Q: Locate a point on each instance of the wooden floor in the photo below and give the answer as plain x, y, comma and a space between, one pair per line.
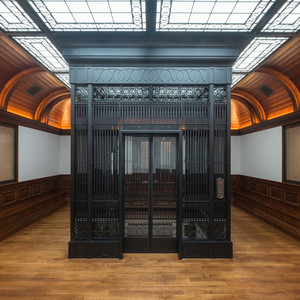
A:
34, 265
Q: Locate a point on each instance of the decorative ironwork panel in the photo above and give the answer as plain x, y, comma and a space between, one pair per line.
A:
115, 104
195, 164
81, 164
105, 222
195, 221
81, 104
220, 230
81, 228
220, 104
105, 164
150, 75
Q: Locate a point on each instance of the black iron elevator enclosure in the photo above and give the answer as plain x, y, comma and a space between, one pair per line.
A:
150, 161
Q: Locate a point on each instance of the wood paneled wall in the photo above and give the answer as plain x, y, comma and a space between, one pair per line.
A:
24, 203
65, 185
275, 202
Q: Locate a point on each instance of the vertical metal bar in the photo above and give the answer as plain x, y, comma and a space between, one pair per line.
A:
211, 158
90, 158
121, 192
150, 189
179, 183
228, 162
73, 160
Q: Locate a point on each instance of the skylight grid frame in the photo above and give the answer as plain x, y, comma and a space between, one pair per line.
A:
14, 18
217, 15
44, 51
256, 52
287, 19
92, 15
236, 78
64, 77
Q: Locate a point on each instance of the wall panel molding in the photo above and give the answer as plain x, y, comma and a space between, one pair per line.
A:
26, 202
274, 202
12, 119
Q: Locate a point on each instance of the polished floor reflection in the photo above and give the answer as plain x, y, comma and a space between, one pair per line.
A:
34, 265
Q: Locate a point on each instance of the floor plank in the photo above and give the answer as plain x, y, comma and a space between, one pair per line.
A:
34, 265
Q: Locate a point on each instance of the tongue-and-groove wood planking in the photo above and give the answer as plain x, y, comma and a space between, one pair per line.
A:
266, 265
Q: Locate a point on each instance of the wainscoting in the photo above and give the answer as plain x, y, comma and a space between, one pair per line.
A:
275, 202
26, 202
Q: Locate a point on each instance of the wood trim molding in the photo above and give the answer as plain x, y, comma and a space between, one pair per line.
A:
275, 202
25, 202
288, 119
13, 119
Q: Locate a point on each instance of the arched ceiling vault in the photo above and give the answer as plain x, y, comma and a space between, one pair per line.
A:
251, 110
39, 113
12, 84
260, 114
46, 115
290, 86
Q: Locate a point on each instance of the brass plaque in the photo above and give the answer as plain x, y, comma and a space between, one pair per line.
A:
220, 188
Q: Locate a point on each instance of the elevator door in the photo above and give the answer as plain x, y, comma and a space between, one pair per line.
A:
150, 198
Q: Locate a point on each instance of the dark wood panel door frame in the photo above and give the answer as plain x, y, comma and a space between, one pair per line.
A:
162, 244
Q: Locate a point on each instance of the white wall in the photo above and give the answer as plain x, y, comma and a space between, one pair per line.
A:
235, 155
42, 154
261, 154
65, 155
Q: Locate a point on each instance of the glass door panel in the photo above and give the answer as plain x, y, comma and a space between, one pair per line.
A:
164, 187
136, 190
150, 198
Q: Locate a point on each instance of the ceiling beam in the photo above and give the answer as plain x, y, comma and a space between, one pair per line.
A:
151, 15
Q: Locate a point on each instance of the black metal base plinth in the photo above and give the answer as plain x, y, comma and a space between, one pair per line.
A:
94, 249
206, 249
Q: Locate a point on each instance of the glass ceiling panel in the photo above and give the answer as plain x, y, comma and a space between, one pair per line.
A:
210, 15
14, 18
92, 15
64, 77
257, 51
287, 19
44, 51
236, 78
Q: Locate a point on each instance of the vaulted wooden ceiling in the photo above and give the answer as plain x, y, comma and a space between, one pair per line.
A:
270, 91
28, 90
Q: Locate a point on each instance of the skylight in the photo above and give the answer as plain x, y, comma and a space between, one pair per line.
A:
91, 15
64, 77
257, 51
44, 51
287, 19
14, 18
210, 15
236, 78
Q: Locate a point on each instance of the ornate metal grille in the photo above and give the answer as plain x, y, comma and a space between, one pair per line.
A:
99, 214
155, 103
